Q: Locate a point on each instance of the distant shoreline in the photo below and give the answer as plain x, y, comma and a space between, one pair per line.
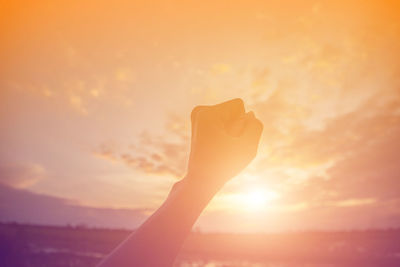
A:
58, 245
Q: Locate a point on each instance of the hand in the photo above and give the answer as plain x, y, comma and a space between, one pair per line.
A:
224, 141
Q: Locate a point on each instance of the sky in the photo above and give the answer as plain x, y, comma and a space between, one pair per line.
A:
95, 102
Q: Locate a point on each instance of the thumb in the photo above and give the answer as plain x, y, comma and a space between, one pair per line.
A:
253, 129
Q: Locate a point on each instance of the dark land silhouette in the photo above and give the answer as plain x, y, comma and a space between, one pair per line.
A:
33, 245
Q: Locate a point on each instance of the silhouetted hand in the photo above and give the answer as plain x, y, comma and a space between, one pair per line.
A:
224, 141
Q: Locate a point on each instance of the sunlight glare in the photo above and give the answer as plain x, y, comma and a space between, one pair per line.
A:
257, 199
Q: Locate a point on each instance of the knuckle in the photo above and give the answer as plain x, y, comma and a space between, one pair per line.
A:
239, 104
195, 111
238, 101
236, 104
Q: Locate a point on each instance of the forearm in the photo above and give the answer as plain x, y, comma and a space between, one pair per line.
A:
158, 240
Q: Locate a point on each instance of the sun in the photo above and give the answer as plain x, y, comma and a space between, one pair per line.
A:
256, 199
251, 199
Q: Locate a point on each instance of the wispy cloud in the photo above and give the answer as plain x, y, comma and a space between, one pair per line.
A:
154, 154
21, 175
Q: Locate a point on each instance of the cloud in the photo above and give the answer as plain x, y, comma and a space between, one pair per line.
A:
333, 168
369, 164
221, 68
355, 202
361, 186
154, 154
21, 175
77, 103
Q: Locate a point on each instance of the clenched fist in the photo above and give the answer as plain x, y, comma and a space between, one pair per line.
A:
224, 141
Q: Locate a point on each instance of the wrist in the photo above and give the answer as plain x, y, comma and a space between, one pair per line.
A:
201, 185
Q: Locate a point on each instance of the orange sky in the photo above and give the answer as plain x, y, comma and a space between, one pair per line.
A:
96, 97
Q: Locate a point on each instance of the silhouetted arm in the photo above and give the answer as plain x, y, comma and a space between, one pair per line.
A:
224, 141
158, 241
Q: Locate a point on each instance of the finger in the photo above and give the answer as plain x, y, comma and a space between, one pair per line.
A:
194, 120
253, 129
250, 114
206, 122
231, 109
195, 112
236, 127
